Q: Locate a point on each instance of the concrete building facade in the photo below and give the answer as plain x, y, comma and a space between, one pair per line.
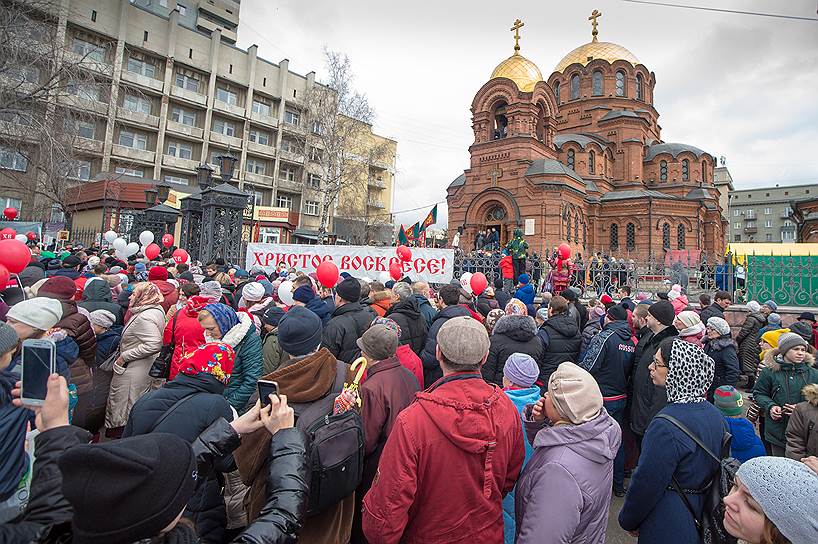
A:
764, 214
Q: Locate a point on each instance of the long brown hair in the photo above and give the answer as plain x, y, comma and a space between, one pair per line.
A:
771, 534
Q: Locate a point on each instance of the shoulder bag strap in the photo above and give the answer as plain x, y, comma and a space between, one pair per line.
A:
169, 411
689, 506
692, 436
173, 329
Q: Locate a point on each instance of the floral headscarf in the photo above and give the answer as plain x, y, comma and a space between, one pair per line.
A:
492, 318
215, 358
145, 294
689, 373
516, 306
388, 323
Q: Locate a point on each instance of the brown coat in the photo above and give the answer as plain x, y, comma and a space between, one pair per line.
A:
302, 381
802, 430
79, 328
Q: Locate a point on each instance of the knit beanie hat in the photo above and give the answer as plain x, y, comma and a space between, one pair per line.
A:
252, 292
93, 260
102, 318
516, 307
773, 319
215, 358
30, 275
39, 312
158, 273
788, 341
211, 289
719, 325
753, 306
58, 287
268, 287
728, 400
569, 294
304, 294
299, 331
8, 338
349, 290
224, 315
521, 369
771, 305
617, 312
663, 312
606, 299
803, 330
272, 315
675, 292
523, 279
595, 313
575, 393
787, 492
771, 337
140, 483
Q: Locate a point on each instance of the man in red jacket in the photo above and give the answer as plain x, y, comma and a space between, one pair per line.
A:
452, 454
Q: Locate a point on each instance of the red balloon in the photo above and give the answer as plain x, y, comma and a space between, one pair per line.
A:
167, 240
5, 275
31, 235
14, 255
10, 213
478, 283
396, 271
180, 255
152, 251
7, 233
564, 251
327, 274
404, 253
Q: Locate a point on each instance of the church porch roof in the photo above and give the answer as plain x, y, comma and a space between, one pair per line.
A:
635, 193
674, 149
551, 167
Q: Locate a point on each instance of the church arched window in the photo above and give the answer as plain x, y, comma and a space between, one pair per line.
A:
640, 93
557, 91
584, 234
576, 228
680, 237
663, 170
666, 236
597, 91
568, 226
574, 86
630, 236
614, 237
571, 159
540, 123
620, 84
704, 171
591, 162
685, 170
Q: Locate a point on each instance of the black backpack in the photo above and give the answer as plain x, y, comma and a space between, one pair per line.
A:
711, 525
335, 447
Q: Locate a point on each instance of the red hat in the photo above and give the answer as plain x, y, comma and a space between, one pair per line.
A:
606, 299
58, 287
158, 273
213, 358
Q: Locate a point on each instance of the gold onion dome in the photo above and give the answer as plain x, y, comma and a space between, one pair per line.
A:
520, 70
596, 50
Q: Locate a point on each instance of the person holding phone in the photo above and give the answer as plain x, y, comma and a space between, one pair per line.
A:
13, 420
37, 318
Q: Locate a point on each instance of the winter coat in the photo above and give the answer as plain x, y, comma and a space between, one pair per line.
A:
779, 384
79, 329
450, 488
565, 490
592, 329
69, 273
66, 352
609, 359
426, 310
512, 334
485, 304
563, 344
94, 419
140, 344
581, 313
714, 310
320, 308
97, 296
652, 506
745, 443
304, 381
502, 297
184, 333
348, 323
248, 365
406, 313
647, 398
388, 389
723, 352
13, 421
802, 430
273, 356
507, 267
747, 341
525, 294
168, 291
431, 367
381, 302
521, 398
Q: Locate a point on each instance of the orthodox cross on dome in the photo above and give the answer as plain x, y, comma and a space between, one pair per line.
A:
518, 24
497, 172
596, 14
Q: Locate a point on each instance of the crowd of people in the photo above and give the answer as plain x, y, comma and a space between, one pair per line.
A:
401, 412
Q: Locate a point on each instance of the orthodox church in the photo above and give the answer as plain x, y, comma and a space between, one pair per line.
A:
579, 158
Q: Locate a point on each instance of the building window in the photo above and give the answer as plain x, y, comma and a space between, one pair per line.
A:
88, 50
7, 202
574, 86
84, 91
259, 136
630, 237
82, 170
666, 236
269, 235
86, 129
317, 128
663, 170
576, 228
227, 96
178, 180
591, 163
141, 66
704, 171
750, 214
768, 224
292, 118
183, 116
261, 108
133, 172
315, 154
737, 225
685, 170
288, 145
182, 150
786, 211
620, 84
255, 166
737, 237
768, 237
597, 83
137, 104
287, 173
568, 227
768, 211
310, 207
571, 159
614, 237
557, 91
133, 139
187, 79
182, 9
680, 237
736, 213
314, 180
226, 128
787, 236
284, 201
639, 90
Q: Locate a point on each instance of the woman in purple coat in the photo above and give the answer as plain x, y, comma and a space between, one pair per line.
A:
565, 489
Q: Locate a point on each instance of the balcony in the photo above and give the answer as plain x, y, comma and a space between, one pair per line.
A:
133, 154
295, 129
750, 229
90, 146
230, 141
143, 81
258, 179
73, 101
100, 67
287, 185
177, 162
373, 182
291, 156
785, 214
378, 204
788, 228
750, 217
230, 109
209, 26
138, 118
193, 132
188, 95
268, 120
261, 149
15, 131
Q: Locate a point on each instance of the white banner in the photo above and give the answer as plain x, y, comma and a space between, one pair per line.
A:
429, 265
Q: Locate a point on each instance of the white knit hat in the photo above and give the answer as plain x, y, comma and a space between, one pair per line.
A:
719, 325
102, 318
252, 292
39, 312
674, 292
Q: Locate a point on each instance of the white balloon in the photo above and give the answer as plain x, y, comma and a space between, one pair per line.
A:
21, 238
110, 236
465, 282
285, 292
121, 255
146, 238
131, 249
120, 244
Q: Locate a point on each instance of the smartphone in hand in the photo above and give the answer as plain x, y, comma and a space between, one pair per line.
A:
39, 362
265, 389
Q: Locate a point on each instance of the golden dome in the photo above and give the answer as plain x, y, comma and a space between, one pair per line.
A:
596, 50
520, 70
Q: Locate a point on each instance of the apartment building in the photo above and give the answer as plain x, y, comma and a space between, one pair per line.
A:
175, 92
764, 214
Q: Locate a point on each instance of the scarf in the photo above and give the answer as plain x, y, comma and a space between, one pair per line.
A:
689, 374
145, 294
224, 315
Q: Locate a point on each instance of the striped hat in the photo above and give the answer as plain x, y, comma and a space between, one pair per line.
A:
728, 400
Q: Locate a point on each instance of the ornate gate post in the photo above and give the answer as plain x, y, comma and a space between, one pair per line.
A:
222, 219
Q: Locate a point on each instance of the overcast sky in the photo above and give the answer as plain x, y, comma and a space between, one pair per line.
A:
741, 86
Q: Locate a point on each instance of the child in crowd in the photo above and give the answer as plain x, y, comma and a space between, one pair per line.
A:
745, 444
802, 430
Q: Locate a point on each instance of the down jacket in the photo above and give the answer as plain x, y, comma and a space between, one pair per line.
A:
747, 341
431, 367
79, 328
406, 313
802, 430
564, 341
512, 334
248, 365
723, 352
97, 296
169, 292
348, 323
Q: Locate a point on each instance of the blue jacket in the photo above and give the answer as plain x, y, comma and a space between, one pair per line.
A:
13, 459
320, 308
651, 506
107, 342
746, 444
609, 358
525, 294
426, 310
521, 398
